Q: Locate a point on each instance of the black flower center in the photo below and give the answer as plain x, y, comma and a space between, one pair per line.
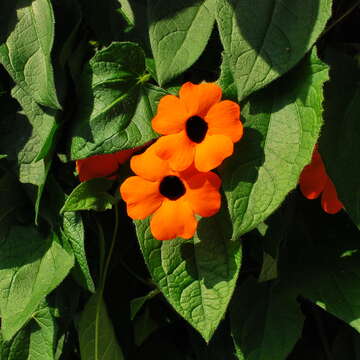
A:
172, 187
196, 129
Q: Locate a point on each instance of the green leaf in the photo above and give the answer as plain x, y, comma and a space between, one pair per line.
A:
137, 303
31, 267
28, 138
196, 276
127, 12
226, 80
29, 141
179, 32
3, 156
321, 258
96, 333
281, 128
73, 230
90, 195
340, 138
17, 348
34, 176
266, 320
115, 109
42, 336
275, 234
26, 53
34, 342
265, 39
144, 326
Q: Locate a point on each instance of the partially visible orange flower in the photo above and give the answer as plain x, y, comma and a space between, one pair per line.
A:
315, 181
104, 165
172, 198
198, 126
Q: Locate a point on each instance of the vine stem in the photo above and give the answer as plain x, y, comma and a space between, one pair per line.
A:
340, 18
113, 241
103, 273
136, 276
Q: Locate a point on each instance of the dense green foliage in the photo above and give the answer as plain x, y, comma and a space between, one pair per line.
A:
271, 276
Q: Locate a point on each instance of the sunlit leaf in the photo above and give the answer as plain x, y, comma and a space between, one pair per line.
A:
25, 51
265, 39
197, 276
31, 267
90, 195
282, 125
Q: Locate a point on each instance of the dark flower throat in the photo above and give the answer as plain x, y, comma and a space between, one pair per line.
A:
172, 187
196, 129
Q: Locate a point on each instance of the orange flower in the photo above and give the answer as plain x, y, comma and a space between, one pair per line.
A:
199, 127
104, 165
315, 181
172, 197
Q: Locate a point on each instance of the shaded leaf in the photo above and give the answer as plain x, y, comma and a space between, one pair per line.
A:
10, 194
104, 19
28, 138
144, 326
137, 303
17, 348
266, 320
96, 333
221, 345
322, 263
276, 233
340, 138
179, 32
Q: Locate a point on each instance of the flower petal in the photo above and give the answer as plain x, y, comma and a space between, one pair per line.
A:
97, 166
142, 197
224, 118
313, 180
177, 149
171, 116
149, 165
202, 193
198, 99
173, 219
329, 199
212, 151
